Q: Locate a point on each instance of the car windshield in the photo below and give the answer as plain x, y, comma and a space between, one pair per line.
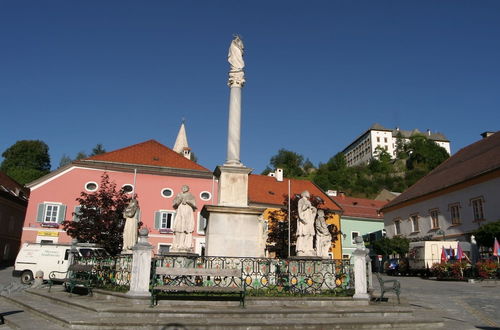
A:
86, 253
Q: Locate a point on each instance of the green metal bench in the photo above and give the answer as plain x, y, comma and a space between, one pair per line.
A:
388, 285
76, 276
191, 280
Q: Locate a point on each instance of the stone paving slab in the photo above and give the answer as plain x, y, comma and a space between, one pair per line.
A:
17, 318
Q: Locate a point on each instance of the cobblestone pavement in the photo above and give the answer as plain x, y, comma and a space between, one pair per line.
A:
463, 305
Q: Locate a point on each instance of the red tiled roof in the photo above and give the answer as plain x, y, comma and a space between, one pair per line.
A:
263, 189
360, 207
12, 186
150, 153
472, 161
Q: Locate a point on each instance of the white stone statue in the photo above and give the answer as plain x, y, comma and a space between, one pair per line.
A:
323, 236
305, 226
185, 204
235, 59
130, 229
235, 55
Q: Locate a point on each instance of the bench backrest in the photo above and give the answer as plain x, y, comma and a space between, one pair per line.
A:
80, 268
198, 272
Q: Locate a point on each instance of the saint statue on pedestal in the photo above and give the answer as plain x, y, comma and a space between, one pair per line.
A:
183, 227
305, 226
130, 229
323, 236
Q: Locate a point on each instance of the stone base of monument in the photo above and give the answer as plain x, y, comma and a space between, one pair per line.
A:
234, 231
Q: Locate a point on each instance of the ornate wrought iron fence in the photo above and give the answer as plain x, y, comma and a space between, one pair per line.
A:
109, 272
271, 276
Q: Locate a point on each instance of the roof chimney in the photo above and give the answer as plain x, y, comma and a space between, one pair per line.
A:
487, 134
341, 194
279, 174
331, 193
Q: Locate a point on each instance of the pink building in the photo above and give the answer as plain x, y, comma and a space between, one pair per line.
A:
160, 174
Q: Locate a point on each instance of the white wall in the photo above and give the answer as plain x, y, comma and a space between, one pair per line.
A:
488, 190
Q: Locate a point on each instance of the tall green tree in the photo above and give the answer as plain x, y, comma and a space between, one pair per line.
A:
26, 160
100, 218
292, 163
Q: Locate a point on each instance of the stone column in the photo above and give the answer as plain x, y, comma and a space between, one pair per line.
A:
234, 127
141, 266
369, 273
360, 280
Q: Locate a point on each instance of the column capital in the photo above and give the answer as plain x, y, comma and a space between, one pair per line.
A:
236, 79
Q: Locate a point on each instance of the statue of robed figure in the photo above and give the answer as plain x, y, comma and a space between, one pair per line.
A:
131, 222
185, 204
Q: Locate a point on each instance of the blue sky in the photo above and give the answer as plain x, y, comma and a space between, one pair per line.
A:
319, 73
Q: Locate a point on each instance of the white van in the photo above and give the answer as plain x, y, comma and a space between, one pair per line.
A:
49, 257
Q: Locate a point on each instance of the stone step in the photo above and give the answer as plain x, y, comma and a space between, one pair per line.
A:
18, 318
82, 312
105, 308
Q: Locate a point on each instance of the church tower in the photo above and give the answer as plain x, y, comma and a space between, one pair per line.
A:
181, 143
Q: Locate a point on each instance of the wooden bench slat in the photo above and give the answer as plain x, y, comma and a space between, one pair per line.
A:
197, 288
198, 272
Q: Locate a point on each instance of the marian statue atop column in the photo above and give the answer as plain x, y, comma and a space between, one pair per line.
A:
235, 59
185, 204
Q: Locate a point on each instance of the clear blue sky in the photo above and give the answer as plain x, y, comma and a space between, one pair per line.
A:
319, 73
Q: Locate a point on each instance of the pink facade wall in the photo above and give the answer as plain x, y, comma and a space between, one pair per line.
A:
66, 187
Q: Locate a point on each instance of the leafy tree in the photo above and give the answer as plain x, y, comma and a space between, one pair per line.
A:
423, 151
65, 160
277, 240
100, 218
26, 160
291, 162
387, 246
98, 149
485, 235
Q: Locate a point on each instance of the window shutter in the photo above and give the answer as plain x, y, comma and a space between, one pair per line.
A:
77, 213
62, 214
41, 212
157, 219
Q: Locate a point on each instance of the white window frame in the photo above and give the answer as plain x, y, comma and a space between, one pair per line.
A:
163, 189
131, 185
477, 204
209, 195
434, 221
415, 228
397, 226
172, 219
163, 244
46, 210
455, 215
91, 190
352, 238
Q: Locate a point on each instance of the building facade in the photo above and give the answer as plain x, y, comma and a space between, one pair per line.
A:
364, 148
454, 199
158, 173
272, 190
360, 216
13, 203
